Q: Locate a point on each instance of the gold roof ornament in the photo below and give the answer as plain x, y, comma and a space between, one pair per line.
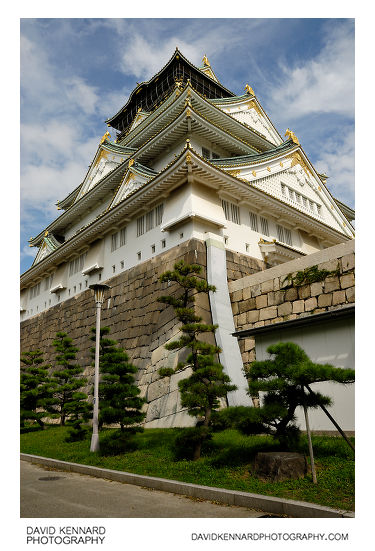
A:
205, 61
249, 90
291, 135
130, 163
323, 177
106, 136
46, 233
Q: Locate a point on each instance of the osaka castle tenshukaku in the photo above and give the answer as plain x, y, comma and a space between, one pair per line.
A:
194, 168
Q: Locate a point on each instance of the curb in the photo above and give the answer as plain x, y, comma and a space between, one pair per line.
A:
274, 505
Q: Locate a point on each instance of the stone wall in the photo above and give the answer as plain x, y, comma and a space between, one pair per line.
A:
138, 322
241, 265
270, 296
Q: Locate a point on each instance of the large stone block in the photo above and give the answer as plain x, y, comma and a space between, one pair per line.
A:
311, 304
248, 304
268, 313
298, 306
267, 286
158, 389
350, 294
279, 466
348, 262
261, 301
325, 300
284, 309
304, 291
331, 283
338, 297
347, 280
177, 377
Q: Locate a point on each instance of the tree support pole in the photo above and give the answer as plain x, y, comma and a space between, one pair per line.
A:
310, 445
333, 421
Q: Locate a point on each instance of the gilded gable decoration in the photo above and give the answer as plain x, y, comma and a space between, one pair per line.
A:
291, 135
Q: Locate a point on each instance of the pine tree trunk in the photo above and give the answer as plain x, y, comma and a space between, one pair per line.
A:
197, 451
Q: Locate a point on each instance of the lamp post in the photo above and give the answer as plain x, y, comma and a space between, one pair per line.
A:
99, 299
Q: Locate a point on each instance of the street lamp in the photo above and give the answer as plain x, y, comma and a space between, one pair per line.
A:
98, 289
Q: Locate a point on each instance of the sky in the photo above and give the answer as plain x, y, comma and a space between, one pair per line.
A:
75, 73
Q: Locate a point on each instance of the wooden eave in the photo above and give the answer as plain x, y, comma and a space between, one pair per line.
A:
183, 126
174, 105
242, 191
108, 146
151, 193
172, 176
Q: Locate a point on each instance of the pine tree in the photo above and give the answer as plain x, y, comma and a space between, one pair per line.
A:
200, 393
36, 388
285, 379
70, 403
119, 401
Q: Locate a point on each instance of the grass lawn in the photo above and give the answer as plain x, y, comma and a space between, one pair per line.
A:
228, 463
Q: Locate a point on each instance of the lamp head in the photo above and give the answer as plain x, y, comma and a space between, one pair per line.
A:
99, 289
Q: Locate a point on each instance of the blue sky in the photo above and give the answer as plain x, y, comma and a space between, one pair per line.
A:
77, 72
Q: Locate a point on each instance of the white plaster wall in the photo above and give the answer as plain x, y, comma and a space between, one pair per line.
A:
87, 218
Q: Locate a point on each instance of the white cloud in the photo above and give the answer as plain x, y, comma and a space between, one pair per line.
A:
337, 161
144, 57
323, 84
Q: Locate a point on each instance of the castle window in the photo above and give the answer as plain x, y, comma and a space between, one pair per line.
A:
253, 221
225, 240
122, 237
163, 244
139, 255
114, 268
76, 265
235, 212
150, 220
140, 226
159, 210
35, 291
152, 248
264, 226
114, 242
122, 264
284, 235
247, 247
283, 189
231, 211
215, 156
48, 282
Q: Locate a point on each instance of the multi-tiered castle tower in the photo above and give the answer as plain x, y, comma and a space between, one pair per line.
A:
195, 172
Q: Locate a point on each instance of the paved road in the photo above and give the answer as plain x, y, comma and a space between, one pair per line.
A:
59, 494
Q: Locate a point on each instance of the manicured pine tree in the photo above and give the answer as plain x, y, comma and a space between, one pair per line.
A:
36, 388
200, 393
70, 402
285, 379
119, 401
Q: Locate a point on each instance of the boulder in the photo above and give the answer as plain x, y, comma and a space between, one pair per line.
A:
279, 466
